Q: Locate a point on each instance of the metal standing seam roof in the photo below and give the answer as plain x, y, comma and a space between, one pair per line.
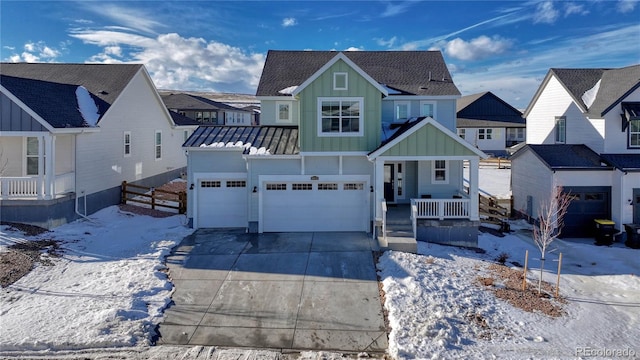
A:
49, 89
278, 140
408, 72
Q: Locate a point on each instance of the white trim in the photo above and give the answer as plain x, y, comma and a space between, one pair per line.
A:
346, 80
421, 97
271, 157
395, 110
155, 145
326, 66
415, 128
360, 132
276, 98
197, 176
334, 153
418, 158
432, 103
289, 104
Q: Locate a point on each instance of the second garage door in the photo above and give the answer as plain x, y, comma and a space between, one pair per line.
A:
589, 203
222, 203
315, 206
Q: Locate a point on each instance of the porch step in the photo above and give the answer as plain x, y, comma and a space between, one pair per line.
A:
399, 238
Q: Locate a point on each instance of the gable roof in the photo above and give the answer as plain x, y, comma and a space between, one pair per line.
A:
408, 72
182, 101
277, 140
565, 156
615, 85
182, 120
486, 109
623, 162
431, 137
50, 89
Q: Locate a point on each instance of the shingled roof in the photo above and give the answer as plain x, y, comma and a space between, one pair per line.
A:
407, 72
486, 110
50, 89
276, 140
566, 156
182, 101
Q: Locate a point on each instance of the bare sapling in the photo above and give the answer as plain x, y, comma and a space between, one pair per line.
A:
551, 214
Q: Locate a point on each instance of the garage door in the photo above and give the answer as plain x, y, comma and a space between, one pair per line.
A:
315, 206
222, 203
589, 203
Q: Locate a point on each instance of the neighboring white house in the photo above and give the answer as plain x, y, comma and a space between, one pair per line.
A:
72, 132
489, 123
583, 133
206, 111
342, 135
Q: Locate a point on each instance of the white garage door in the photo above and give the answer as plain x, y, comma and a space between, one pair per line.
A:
315, 206
222, 203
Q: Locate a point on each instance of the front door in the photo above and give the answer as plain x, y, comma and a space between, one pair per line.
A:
389, 186
636, 206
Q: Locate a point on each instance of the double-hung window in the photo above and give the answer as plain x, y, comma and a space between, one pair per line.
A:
402, 109
127, 143
158, 145
340, 116
33, 158
485, 134
561, 130
440, 173
634, 133
428, 108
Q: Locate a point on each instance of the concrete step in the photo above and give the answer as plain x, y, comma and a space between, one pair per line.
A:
399, 241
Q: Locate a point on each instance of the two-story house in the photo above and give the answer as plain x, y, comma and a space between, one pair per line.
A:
71, 133
207, 111
489, 123
583, 133
343, 135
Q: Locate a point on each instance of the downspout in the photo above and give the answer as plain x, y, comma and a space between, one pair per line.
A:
84, 216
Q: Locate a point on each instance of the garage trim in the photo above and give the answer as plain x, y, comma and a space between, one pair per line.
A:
198, 177
312, 179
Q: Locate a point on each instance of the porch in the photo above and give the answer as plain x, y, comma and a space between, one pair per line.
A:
36, 187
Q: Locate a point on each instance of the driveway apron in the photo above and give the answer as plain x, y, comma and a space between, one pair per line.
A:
287, 291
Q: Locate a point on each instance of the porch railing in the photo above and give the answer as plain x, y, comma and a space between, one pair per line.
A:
33, 187
440, 208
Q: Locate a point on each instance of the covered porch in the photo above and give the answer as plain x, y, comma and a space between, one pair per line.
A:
36, 165
420, 170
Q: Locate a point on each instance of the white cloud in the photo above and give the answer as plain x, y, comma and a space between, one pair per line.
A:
625, 6
180, 63
478, 48
545, 13
36, 52
287, 22
353, 48
386, 43
395, 8
573, 8
125, 16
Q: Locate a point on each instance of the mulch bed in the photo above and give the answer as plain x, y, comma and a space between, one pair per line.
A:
21, 257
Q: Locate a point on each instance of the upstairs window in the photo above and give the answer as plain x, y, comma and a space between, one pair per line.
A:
561, 130
634, 133
340, 117
428, 108
127, 143
340, 81
402, 111
283, 111
462, 133
158, 145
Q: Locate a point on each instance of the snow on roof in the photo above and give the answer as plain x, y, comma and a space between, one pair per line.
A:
289, 90
239, 145
391, 91
87, 106
590, 95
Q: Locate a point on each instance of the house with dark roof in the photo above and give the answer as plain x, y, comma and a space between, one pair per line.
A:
71, 133
583, 133
206, 111
489, 123
345, 139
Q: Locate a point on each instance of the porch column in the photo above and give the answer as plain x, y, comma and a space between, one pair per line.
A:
42, 187
379, 187
50, 166
474, 179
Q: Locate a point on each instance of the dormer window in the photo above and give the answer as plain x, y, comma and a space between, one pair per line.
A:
340, 81
283, 112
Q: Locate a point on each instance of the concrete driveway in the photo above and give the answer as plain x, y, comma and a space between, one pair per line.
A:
286, 291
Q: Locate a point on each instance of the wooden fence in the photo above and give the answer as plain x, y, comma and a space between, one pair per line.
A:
154, 197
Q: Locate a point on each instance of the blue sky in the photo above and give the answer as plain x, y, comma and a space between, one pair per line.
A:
501, 46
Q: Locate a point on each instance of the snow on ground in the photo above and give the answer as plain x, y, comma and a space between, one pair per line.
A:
434, 297
107, 289
493, 181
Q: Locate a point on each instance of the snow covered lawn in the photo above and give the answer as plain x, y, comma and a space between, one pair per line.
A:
107, 289
439, 310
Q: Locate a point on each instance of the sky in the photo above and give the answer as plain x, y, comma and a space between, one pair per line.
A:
505, 47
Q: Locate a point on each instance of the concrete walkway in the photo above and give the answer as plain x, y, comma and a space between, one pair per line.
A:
285, 291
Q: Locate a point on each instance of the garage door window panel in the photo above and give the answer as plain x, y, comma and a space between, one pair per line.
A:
350, 186
210, 184
236, 183
302, 186
329, 186
278, 187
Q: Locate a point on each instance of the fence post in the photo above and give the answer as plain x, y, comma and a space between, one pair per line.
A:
123, 199
153, 198
182, 198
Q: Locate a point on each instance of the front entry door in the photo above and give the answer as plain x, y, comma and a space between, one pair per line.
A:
389, 186
636, 206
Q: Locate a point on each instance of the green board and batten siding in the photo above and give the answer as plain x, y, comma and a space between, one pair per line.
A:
428, 141
323, 87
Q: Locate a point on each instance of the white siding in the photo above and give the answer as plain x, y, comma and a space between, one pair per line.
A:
268, 166
11, 148
439, 190
553, 101
622, 192
100, 158
523, 184
65, 154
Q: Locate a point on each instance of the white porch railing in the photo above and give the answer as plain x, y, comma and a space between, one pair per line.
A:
440, 208
33, 187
